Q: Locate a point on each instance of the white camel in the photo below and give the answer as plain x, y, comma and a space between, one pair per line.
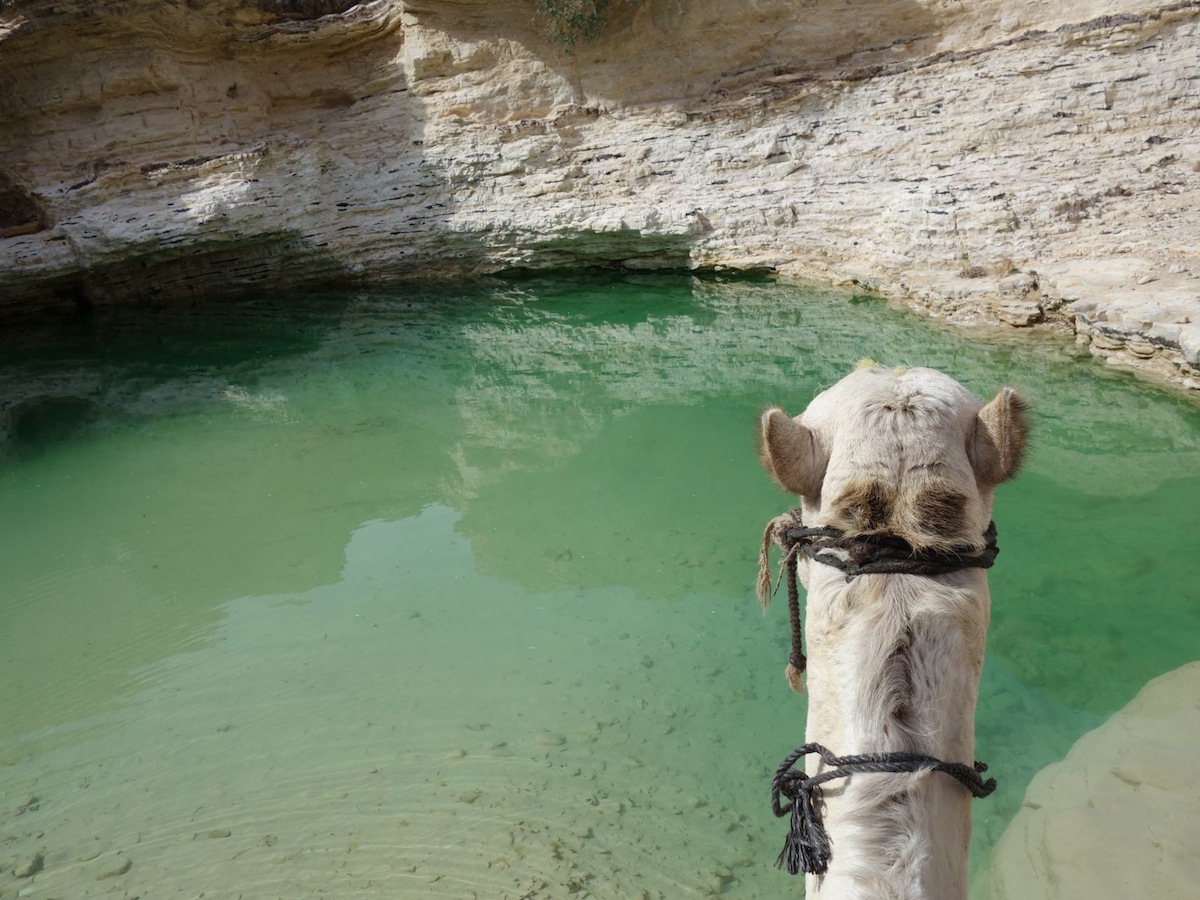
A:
894, 659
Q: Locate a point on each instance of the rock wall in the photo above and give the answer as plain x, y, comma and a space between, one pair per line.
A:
1024, 162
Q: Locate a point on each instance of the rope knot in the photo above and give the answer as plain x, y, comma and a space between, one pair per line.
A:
807, 847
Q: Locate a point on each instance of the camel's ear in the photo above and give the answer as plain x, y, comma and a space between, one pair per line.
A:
790, 453
997, 446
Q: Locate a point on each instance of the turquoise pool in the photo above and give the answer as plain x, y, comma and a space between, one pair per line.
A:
449, 592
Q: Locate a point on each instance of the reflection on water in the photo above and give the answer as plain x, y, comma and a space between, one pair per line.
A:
434, 593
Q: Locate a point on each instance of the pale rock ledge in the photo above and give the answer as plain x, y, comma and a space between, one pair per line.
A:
1120, 816
1016, 162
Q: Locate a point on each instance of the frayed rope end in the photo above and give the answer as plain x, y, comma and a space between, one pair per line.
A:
795, 678
767, 586
806, 848
764, 588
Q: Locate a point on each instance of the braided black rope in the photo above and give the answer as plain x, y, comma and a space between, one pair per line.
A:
797, 658
807, 846
885, 554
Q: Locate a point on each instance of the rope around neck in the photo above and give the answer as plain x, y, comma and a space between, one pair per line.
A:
807, 845
862, 555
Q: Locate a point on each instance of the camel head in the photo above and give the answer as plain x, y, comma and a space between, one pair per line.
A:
910, 453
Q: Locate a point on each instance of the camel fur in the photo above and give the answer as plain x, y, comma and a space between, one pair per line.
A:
894, 660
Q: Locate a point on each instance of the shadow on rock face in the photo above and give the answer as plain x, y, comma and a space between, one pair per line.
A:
723, 46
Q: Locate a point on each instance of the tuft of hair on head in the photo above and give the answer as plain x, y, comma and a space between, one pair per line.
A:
865, 363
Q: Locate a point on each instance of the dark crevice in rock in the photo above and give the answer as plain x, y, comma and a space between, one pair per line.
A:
303, 10
20, 213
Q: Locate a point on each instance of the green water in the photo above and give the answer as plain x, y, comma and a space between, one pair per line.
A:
432, 593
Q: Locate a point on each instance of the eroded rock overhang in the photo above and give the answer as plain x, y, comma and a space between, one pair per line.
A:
1010, 162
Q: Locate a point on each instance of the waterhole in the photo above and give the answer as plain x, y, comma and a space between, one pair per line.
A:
449, 593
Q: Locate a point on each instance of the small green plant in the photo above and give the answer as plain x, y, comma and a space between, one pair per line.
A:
571, 21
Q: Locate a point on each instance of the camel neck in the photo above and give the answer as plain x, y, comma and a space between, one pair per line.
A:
893, 666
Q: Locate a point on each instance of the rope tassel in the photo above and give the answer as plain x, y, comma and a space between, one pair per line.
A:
807, 847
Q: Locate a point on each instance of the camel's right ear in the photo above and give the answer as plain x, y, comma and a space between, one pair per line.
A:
789, 452
997, 445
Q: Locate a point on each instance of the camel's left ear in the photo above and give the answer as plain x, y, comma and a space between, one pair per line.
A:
997, 446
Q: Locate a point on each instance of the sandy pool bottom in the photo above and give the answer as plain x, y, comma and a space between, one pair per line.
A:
417, 729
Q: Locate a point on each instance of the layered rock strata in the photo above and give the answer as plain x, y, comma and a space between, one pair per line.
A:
1013, 162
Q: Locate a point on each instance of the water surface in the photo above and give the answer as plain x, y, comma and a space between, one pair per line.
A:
449, 593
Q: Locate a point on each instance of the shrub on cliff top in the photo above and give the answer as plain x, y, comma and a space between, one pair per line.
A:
570, 21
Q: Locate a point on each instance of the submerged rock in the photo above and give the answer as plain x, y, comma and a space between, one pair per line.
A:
122, 869
35, 865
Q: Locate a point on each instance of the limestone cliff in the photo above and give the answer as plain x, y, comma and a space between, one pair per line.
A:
1021, 161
